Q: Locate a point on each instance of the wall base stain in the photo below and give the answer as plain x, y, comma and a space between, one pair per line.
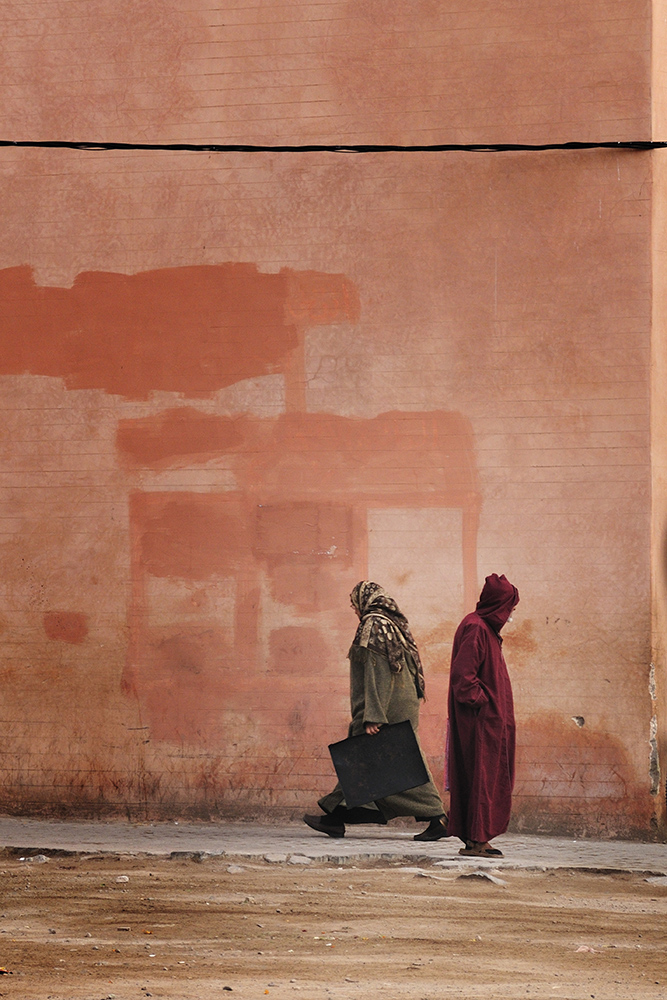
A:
576, 782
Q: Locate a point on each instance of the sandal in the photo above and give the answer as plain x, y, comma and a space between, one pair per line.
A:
476, 850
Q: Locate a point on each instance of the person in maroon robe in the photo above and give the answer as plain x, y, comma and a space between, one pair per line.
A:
480, 762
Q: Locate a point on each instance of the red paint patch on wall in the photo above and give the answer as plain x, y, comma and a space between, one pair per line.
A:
169, 437
303, 529
311, 463
66, 626
192, 330
194, 536
419, 459
399, 459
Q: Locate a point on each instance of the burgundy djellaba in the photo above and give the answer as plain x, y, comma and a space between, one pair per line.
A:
481, 723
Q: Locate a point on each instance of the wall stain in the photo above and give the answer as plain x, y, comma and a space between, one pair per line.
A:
558, 763
519, 641
436, 647
298, 716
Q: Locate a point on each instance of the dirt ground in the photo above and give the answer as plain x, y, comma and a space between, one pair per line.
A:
94, 927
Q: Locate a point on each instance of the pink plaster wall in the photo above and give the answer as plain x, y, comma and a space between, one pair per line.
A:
345, 71
433, 368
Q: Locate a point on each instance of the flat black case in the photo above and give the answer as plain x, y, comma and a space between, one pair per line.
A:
372, 767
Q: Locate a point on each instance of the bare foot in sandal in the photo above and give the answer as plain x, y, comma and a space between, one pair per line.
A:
475, 849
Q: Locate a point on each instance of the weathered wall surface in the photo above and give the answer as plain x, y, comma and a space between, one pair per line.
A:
659, 485
233, 386
344, 71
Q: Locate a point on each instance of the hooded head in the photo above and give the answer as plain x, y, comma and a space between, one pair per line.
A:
497, 601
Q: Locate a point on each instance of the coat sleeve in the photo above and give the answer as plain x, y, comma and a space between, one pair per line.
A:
464, 676
378, 686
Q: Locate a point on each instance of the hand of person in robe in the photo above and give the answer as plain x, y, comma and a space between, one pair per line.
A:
371, 728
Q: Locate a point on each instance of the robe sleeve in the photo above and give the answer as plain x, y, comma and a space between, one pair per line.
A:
464, 679
378, 686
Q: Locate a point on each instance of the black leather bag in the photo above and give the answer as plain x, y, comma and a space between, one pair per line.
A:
373, 767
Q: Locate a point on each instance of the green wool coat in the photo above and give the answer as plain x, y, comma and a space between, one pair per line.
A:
379, 695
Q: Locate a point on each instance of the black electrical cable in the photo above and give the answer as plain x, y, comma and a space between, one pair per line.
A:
194, 147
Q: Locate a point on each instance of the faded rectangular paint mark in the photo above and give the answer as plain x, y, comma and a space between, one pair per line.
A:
290, 536
409, 459
66, 626
417, 455
190, 536
303, 529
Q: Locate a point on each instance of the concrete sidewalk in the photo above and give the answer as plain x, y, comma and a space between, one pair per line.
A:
290, 842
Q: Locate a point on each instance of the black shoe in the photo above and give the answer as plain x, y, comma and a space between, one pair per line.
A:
325, 824
360, 814
436, 830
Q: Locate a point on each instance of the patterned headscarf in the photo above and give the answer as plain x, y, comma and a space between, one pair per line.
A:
384, 628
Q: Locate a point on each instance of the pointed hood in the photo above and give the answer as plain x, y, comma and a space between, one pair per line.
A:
497, 601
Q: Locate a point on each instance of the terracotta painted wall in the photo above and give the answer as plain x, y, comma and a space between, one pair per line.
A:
233, 386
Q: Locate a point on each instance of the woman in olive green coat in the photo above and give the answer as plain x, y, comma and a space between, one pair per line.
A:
386, 686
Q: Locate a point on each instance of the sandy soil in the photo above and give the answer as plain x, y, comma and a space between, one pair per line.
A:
184, 929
